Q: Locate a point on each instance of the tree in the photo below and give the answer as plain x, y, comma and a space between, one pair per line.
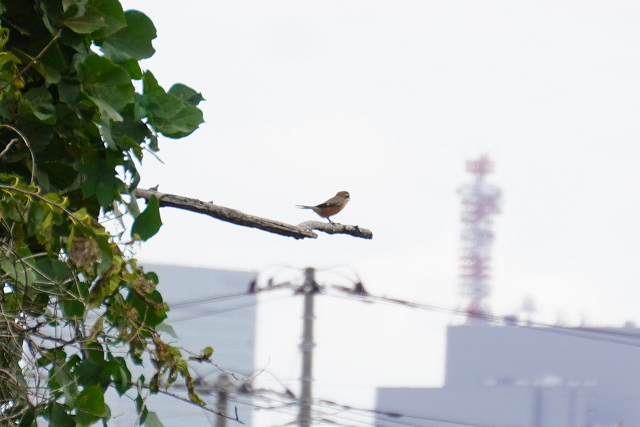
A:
73, 131
77, 312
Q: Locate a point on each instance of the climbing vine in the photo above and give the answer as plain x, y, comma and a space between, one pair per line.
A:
77, 312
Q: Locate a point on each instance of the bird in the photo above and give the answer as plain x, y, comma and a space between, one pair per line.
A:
331, 206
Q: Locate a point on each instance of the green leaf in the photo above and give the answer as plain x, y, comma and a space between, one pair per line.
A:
186, 94
152, 276
21, 272
66, 4
132, 67
133, 207
132, 41
91, 401
167, 329
27, 418
108, 259
107, 85
59, 417
62, 175
130, 132
73, 308
102, 17
101, 181
40, 220
69, 92
90, 373
61, 379
84, 419
139, 385
85, 24
106, 109
150, 84
51, 63
94, 351
4, 32
170, 115
8, 57
37, 103
151, 310
148, 222
153, 420
121, 375
111, 11
207, 352
106, 286
141, 409
53, 268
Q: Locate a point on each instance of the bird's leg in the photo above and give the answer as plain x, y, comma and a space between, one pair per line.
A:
332, 223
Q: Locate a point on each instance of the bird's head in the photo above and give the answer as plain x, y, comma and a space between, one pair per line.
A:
344, 195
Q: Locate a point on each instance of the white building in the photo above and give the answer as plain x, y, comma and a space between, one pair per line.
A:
520, 376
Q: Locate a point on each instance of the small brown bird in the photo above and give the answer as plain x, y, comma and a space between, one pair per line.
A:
331, 206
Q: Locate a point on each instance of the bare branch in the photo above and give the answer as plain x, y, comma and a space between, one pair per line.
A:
325, 227
302, 231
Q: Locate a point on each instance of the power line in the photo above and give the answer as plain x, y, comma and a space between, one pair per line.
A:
394, 416
391, 417
284, 405
612, 336
225, 310
366, 423
252, 289
204, 300
598, 335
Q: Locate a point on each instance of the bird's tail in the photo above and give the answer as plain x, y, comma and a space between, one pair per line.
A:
304, 207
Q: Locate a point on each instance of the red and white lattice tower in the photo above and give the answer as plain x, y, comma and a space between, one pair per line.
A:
480, 201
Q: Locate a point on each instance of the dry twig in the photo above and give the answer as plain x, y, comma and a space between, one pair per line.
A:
301, 231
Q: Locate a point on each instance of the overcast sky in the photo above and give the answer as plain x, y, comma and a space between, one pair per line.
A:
387, 100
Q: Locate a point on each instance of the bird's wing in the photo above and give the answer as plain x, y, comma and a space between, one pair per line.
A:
334, 201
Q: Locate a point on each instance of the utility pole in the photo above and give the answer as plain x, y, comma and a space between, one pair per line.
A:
309, 289
222, 386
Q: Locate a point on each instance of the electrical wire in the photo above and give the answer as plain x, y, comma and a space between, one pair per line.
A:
205, 300
393, 416
285, 409
286, 406
587, 333
225, 310
215, 298
346, 413
366, 423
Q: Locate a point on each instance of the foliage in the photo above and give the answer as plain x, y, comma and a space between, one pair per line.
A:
75, 311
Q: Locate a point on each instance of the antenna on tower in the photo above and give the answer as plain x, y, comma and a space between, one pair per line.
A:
479, 202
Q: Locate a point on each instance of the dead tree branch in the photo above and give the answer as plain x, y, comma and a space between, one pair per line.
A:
325, 227
301, 231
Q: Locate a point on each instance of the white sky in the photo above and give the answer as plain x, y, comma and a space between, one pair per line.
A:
387, 99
